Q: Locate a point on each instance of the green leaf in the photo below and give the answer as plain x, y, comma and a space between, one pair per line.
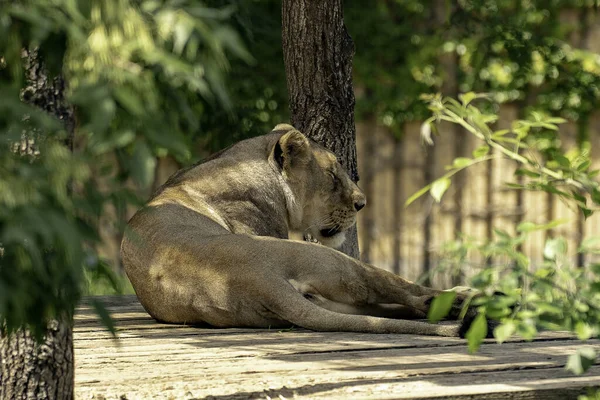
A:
526, 328
548, 308
526, 172
504, 331
104, 315
439, 187
586, 212
552, 127
596, 195
477, 332
526, 227
128, 100
502, 234
440, 306
584, 331
581, 361
531, 227
481, 151
556, 120
562, 160
416, 195
500, 133
584, 165
461, 162
466, 98
554, 248
143, 164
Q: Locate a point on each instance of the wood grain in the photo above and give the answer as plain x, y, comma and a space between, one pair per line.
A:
152, 360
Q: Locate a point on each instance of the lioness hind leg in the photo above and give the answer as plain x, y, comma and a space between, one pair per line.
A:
359, 288
292, 306
395, 311
327, 315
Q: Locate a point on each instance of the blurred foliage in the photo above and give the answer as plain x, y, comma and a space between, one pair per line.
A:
100, 284
556, 295
525, 51
139, 76
258, 90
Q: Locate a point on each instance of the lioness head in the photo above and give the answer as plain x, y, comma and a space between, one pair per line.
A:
322, 200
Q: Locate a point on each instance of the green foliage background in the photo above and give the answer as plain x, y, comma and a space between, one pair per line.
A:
140, 75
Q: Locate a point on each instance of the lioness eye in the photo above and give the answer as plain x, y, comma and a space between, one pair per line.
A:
334, 179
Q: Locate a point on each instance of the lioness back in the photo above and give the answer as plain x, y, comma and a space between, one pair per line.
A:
211, 247
264, 186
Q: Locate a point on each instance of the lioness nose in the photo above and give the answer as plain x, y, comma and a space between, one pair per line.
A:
359, 204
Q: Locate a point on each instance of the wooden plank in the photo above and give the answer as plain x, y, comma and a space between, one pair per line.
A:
152, 360
521, 384
225, 368
291, 348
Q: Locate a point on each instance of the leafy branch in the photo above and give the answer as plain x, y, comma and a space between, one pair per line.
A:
555, 295
567, 176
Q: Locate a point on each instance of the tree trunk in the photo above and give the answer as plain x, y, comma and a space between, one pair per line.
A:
317, 52
31, 370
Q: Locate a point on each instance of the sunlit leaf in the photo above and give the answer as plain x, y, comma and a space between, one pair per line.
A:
527, 172
466, 98
143, 164
584, 331
581, 360
504, 331
477, 332
481, 151
461, 162
531, 227
441, 306
555, 247
526, 327
439, 187
416, 195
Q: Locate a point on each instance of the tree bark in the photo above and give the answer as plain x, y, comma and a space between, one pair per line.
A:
28, 369
32, 370
317, 52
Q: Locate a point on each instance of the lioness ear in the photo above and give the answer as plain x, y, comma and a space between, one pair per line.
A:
292, 148
282, 128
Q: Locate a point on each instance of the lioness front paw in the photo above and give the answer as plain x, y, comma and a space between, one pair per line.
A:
309, 238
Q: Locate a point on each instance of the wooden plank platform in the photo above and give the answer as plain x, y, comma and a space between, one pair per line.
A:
152, 360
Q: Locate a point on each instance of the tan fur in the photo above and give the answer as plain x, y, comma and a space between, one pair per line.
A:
212, 246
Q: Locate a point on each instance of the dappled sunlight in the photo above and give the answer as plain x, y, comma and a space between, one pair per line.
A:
152, 357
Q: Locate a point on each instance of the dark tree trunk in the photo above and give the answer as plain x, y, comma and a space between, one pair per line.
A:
318, 63
31, 370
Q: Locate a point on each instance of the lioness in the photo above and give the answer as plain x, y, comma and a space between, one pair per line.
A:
212, 246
